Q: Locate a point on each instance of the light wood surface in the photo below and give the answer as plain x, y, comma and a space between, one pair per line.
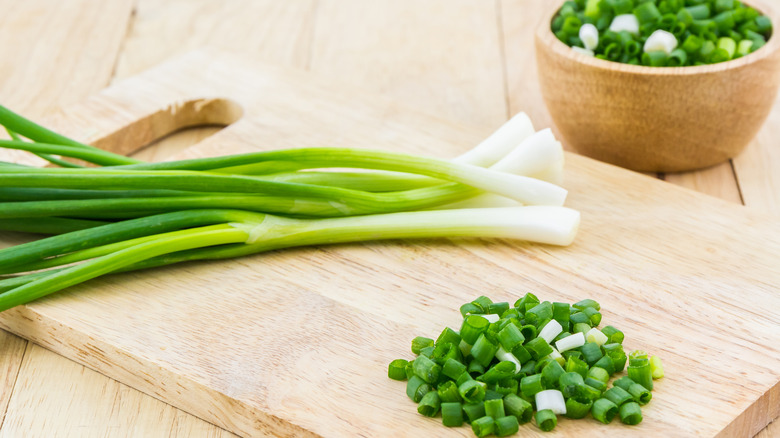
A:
43, 30
367, 301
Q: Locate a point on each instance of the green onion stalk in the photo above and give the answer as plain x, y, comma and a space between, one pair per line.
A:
127, 215
219, 234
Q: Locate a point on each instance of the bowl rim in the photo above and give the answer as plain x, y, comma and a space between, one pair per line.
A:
545, 35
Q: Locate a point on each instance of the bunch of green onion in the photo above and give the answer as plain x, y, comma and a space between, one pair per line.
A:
120, 214
509, 364
661, 33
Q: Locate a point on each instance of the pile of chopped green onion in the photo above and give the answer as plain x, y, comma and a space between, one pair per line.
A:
509, 364
662, 33
110, 213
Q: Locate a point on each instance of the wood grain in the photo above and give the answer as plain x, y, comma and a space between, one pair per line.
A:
70, 400
440, 56
684, 269
269, 30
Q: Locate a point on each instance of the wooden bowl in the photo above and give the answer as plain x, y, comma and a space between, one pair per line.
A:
658, 119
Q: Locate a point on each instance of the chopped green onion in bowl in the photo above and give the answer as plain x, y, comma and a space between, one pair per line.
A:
662, 33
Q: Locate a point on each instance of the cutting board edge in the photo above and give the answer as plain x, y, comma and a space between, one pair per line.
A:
162, 384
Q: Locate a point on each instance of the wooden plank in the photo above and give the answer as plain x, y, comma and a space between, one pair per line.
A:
519, 20
58, 53
718, 181
758, 167
440, 56
638, 244
56, 397
269, 30
61, 53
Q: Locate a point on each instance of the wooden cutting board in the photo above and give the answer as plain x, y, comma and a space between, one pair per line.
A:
297, 342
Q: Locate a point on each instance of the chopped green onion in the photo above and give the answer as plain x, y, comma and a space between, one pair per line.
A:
729, 45
429, 404
426, 369
474, 411
595, 336
469, 308
568, 383
419, 343
530, 385
576, 409
551, 399
647, 12
497, 372
631, 413
591, 352
475, 368
546, 420
604, 410
588, 392
550, 330
599, 374
576, 365
448, 336
510, 336
539, 348
614, 335
506, 426
519, 408
561, 313
580, 318
639, 369
483, 426
551, 374
472, 391
618, 395
473, 326
656, 367
453, 368
494, 408
452, 414
597, 384
584, 304
448, 392
528, 331
540, 312
606, 363
483, 350
397, 369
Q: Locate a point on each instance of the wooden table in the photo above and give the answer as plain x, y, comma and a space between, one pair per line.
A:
470, 61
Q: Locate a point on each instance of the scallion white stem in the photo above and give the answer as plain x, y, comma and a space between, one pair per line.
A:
500, 143
551, 399
550, 331
595, 335
504, 355
575, 340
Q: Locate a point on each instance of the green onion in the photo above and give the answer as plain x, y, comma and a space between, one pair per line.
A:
472, 391
494, 408
472, 328
474, 411
453, 368
448, 392
606, 364
589, 392
631, 413
546, 420
576, 365
618, 395
426, 369
497, 372
510, 337
397, 369
430, 404
604, 410
518, 408
416, 388
530, 385
448, 336
568, 383
591, 352
614, 335
575, 409
452, 414
484, 350
639, 369
506, 426
538, 348
483, 427
419, 343
656, 367
551, 374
